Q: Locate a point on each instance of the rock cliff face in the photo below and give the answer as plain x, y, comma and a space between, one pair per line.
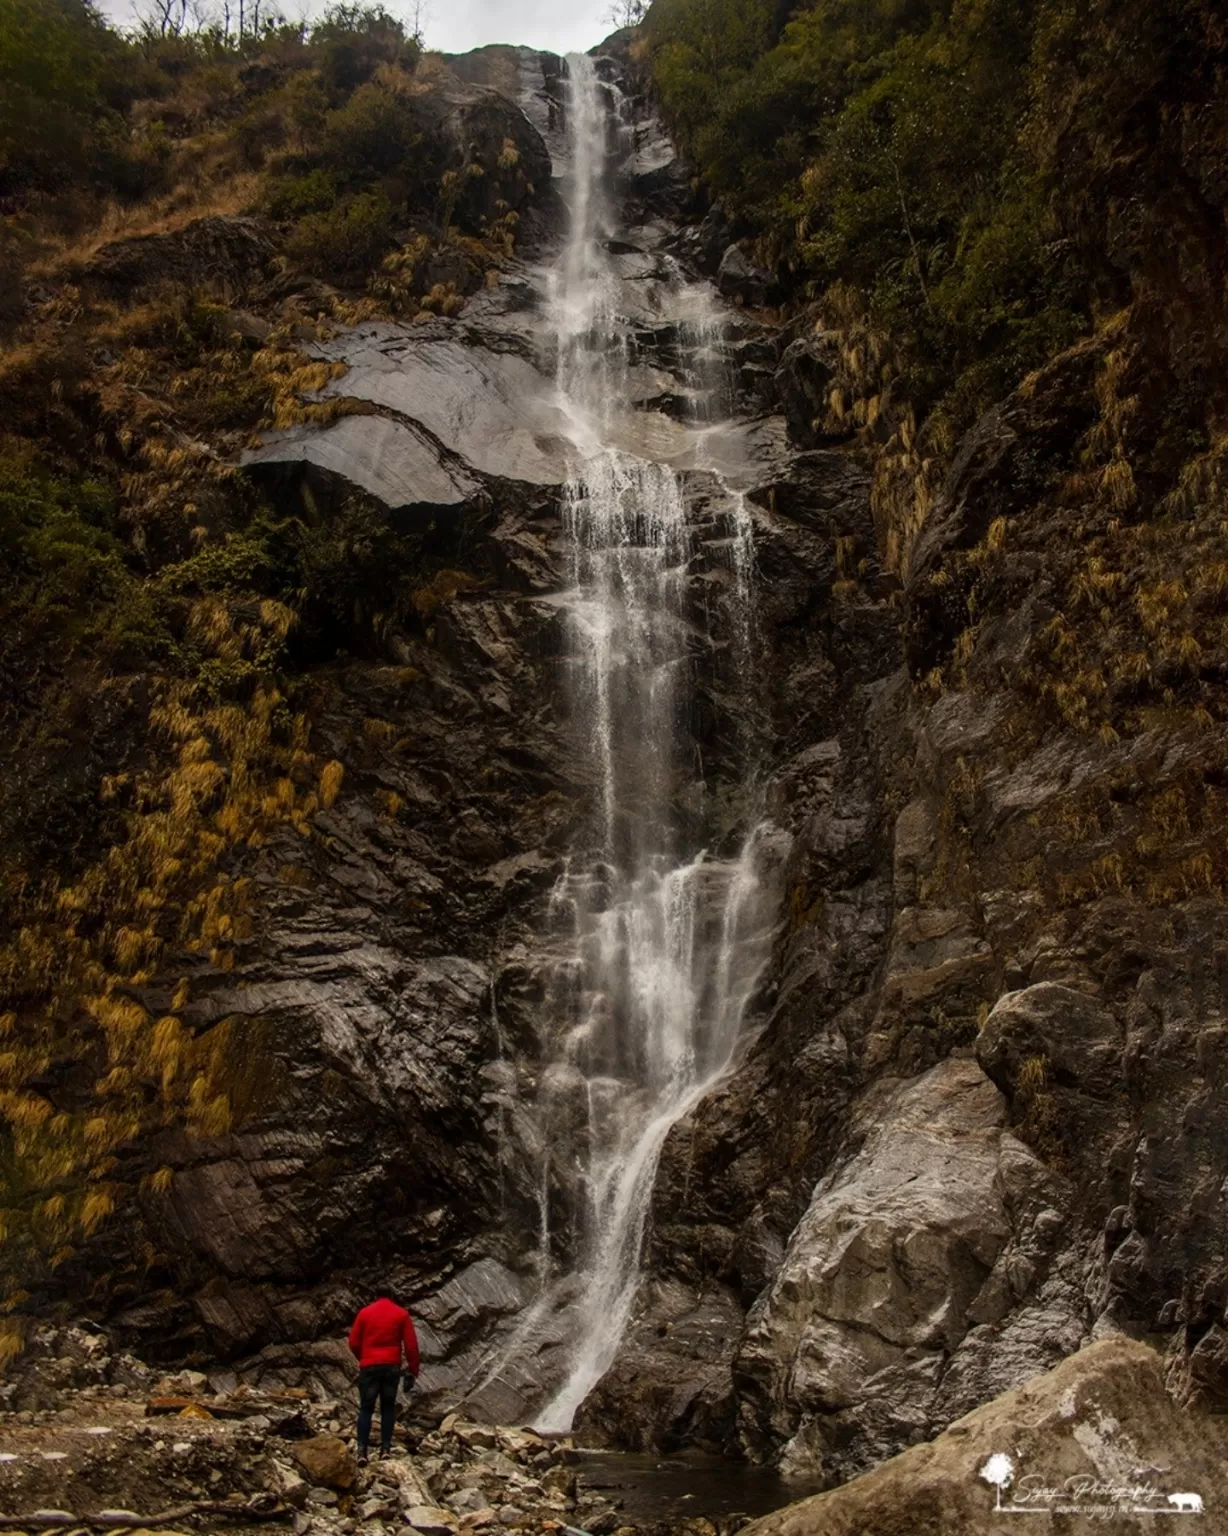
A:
978, 1117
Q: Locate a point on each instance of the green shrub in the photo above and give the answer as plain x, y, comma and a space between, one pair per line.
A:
261, 128
294, 197
371, 134
57, 58
346, 241
306, 109
65, 581
354, 40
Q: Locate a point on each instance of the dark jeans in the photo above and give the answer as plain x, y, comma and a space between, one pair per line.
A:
377, 1382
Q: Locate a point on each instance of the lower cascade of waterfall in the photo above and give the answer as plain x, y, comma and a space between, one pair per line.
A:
667, 962
658, 943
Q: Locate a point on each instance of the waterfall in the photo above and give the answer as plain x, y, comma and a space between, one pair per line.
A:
661, 942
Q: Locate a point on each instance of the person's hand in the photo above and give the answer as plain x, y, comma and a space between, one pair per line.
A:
409, 1380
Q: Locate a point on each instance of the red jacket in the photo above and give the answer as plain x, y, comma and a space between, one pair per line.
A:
380, 1332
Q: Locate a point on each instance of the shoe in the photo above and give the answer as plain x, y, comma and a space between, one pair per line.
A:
385, 1453
362, 1458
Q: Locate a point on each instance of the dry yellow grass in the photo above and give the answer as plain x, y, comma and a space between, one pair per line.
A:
219, 189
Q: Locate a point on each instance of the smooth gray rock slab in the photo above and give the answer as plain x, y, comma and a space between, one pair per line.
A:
385, 458
493, 409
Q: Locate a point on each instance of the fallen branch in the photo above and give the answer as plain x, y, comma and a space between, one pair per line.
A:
62, 1520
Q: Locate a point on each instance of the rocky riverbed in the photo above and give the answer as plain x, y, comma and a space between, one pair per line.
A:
95, 1441
91, 1440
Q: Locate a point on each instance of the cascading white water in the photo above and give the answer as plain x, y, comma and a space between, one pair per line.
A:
663, 945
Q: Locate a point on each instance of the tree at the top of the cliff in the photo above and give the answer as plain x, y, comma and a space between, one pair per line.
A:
625, 14
353, 40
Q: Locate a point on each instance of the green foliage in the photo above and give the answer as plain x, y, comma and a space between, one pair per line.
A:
962, 166
371, 134
306, 106
293, 197
59, 64
63, 573
348, 572
240, 564
345, 241
354, 40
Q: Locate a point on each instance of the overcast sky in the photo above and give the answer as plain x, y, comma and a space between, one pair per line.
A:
453, 26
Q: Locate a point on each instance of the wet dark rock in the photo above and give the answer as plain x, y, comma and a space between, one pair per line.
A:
802, 384
741, 281
704, 244
1080, 1041
233, 252
671, 1385
1005, 462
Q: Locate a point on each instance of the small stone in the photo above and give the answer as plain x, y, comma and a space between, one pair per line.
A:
324, 1459
431, 1521
283, 1481
479, 1435
510, 1515
325, 1496
560, 1479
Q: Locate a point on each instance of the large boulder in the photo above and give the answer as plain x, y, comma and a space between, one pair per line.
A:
1094, 1445
1080, 1041
671, 1384
325, 1461
808, 369
932, 1228
232, 252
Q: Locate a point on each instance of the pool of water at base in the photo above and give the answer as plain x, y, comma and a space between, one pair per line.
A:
650, 1489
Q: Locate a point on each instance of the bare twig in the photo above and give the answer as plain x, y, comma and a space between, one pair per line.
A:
62, 1520
916, 254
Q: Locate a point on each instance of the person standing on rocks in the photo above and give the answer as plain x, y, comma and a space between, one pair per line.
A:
382, 1333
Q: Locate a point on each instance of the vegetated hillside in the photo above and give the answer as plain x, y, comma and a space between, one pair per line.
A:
985, 182
962, 205
180, 215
